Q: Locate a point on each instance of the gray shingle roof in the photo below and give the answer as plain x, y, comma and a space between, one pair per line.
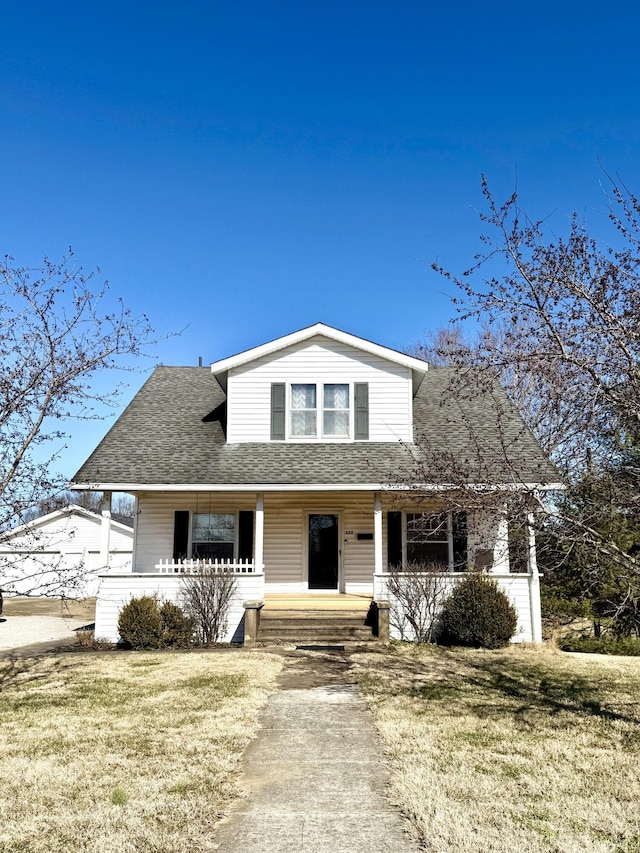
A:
172, 433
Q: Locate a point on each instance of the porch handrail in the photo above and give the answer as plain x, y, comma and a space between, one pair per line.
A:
195, 567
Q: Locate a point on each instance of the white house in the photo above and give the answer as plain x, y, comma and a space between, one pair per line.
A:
311, 464
62, 553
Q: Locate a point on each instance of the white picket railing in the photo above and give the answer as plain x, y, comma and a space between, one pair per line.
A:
195, 567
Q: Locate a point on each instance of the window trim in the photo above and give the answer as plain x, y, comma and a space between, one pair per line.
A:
320, 410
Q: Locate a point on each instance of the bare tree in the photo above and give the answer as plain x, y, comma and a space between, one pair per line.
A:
564, 321
441, 347
122, 504
417, 594
206, 596
560, 331
59, 332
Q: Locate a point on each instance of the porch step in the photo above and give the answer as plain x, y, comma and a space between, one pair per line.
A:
306, 625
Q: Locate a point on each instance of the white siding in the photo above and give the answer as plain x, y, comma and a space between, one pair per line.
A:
283, 544
319, 360
61, 556
285, 532
516, 587
116, 590
285, 548
489, 531
66, 533
155, 520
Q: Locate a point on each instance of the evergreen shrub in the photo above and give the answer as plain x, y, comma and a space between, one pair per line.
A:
140, 623
478, 614
607, 645
143, 624
177, 627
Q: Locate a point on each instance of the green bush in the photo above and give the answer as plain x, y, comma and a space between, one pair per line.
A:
143, 624
140, 623
608, 645
478, 614
556, 606
177, 627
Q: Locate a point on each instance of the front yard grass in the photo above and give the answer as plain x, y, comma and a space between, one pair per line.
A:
521, 749
124, 752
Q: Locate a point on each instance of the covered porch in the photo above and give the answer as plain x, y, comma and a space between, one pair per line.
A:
325, 551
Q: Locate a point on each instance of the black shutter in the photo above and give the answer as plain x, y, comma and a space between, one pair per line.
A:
361, 407
278, 407
245, 535
459, 524
394, 538
180, 534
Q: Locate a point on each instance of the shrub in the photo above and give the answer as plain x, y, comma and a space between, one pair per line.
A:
557, 607
177, 627
206, 597
608, 645
143, 624
478, 614
87, 641
417, 593
140, 623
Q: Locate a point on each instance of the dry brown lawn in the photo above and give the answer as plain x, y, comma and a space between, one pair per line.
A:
84, 608
118, 752
522, 750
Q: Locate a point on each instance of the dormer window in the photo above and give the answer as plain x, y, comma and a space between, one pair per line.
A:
335, 411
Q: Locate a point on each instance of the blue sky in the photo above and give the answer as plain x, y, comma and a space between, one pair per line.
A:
241, 170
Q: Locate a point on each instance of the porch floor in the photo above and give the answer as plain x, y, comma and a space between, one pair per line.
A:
316, 601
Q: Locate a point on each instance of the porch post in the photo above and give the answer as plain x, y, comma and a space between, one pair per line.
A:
259, 549
377, 534
105, 529
534, 583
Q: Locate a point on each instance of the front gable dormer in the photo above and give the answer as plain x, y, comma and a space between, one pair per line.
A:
320, 385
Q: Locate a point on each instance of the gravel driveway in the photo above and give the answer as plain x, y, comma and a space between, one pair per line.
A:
18, 631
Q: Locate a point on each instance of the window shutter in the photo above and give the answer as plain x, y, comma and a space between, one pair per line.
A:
361, 395
180, 534
278, 406
394, 539
459, 525
245, 535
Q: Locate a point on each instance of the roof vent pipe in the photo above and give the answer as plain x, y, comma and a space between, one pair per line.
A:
199, 361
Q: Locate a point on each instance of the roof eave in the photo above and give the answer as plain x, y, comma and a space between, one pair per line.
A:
313, 487
221, 368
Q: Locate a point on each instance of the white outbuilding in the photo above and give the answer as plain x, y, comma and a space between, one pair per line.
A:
62, 553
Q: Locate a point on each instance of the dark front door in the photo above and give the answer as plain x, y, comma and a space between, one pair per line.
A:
323, 551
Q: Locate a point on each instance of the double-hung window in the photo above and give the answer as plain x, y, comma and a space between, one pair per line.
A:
428, 538
304, 410
331, 400
436, 539
213, 536
335, 411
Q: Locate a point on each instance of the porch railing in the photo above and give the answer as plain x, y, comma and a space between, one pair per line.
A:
195, 567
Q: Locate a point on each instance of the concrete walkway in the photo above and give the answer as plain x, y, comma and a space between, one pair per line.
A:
314, 777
